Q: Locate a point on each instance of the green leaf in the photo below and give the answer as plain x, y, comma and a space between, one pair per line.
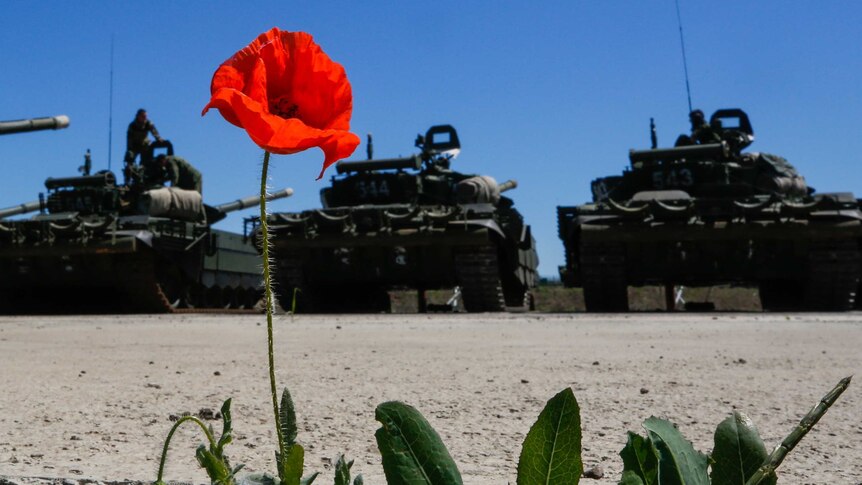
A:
738, 452
412, 451
358, 480
631, 478
679, 462
309, 479
290, 468
227, 424
552, 449
217, 469
342, 471
639, 458
287, 413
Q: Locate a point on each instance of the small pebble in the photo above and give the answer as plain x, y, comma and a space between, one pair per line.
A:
216, 373
644, 390
595, 472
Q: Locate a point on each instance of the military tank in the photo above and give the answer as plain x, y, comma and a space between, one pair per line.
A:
708, 214
406, 223
96, 246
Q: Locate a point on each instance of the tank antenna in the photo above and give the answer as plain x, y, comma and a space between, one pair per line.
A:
684, 63
111, 104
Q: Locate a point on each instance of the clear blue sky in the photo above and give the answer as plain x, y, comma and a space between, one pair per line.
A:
551, 93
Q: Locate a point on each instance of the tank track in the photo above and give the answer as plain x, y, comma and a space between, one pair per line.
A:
831, 283
339, 299
138, 289
478, 273
833, 276
603, 277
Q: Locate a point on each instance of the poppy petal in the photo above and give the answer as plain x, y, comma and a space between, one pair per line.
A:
279, 135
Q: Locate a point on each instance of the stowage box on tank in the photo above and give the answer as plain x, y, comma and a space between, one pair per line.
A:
406, 223
100, 247
707, 214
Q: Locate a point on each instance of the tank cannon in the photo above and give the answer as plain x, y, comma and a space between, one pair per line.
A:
34, 124
707, 214
24, 208
102, 247
409, 222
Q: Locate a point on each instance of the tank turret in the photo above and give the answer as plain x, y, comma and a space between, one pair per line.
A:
34, 124
408, 222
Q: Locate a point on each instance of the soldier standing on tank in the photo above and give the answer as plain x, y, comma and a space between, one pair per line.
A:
180, 173
136, 135
136, 142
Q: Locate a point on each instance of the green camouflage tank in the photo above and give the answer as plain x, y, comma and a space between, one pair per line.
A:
708, 214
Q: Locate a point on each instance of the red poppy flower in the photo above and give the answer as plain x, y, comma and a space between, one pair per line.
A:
288, 95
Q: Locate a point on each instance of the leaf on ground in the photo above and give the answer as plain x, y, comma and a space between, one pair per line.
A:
739, 451
679, 462
342, 471
551, 454
412, 451
631, 478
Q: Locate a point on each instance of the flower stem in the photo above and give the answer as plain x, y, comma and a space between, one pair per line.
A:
171, 434
267, 285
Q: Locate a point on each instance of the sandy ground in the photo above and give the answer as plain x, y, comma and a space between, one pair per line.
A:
91, 397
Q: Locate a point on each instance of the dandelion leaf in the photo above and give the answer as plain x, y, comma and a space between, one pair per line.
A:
412, 451
679, 462
639, 458
739, 451
551, 453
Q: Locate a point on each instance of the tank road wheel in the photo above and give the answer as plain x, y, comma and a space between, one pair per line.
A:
478, 274
289, 277
195, 296
517, 297
229, 297
253, 297
603, 276
833, 276
781, 295
214, 297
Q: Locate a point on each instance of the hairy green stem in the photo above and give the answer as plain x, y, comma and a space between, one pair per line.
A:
171, 434
267, 286
774, 460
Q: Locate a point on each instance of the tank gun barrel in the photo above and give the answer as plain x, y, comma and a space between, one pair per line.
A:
34, 124
252, 200
508, 185
19, 209
414, 162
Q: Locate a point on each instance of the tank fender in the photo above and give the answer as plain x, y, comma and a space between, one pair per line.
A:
649, 195
489, 224
145, 237
525, 241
